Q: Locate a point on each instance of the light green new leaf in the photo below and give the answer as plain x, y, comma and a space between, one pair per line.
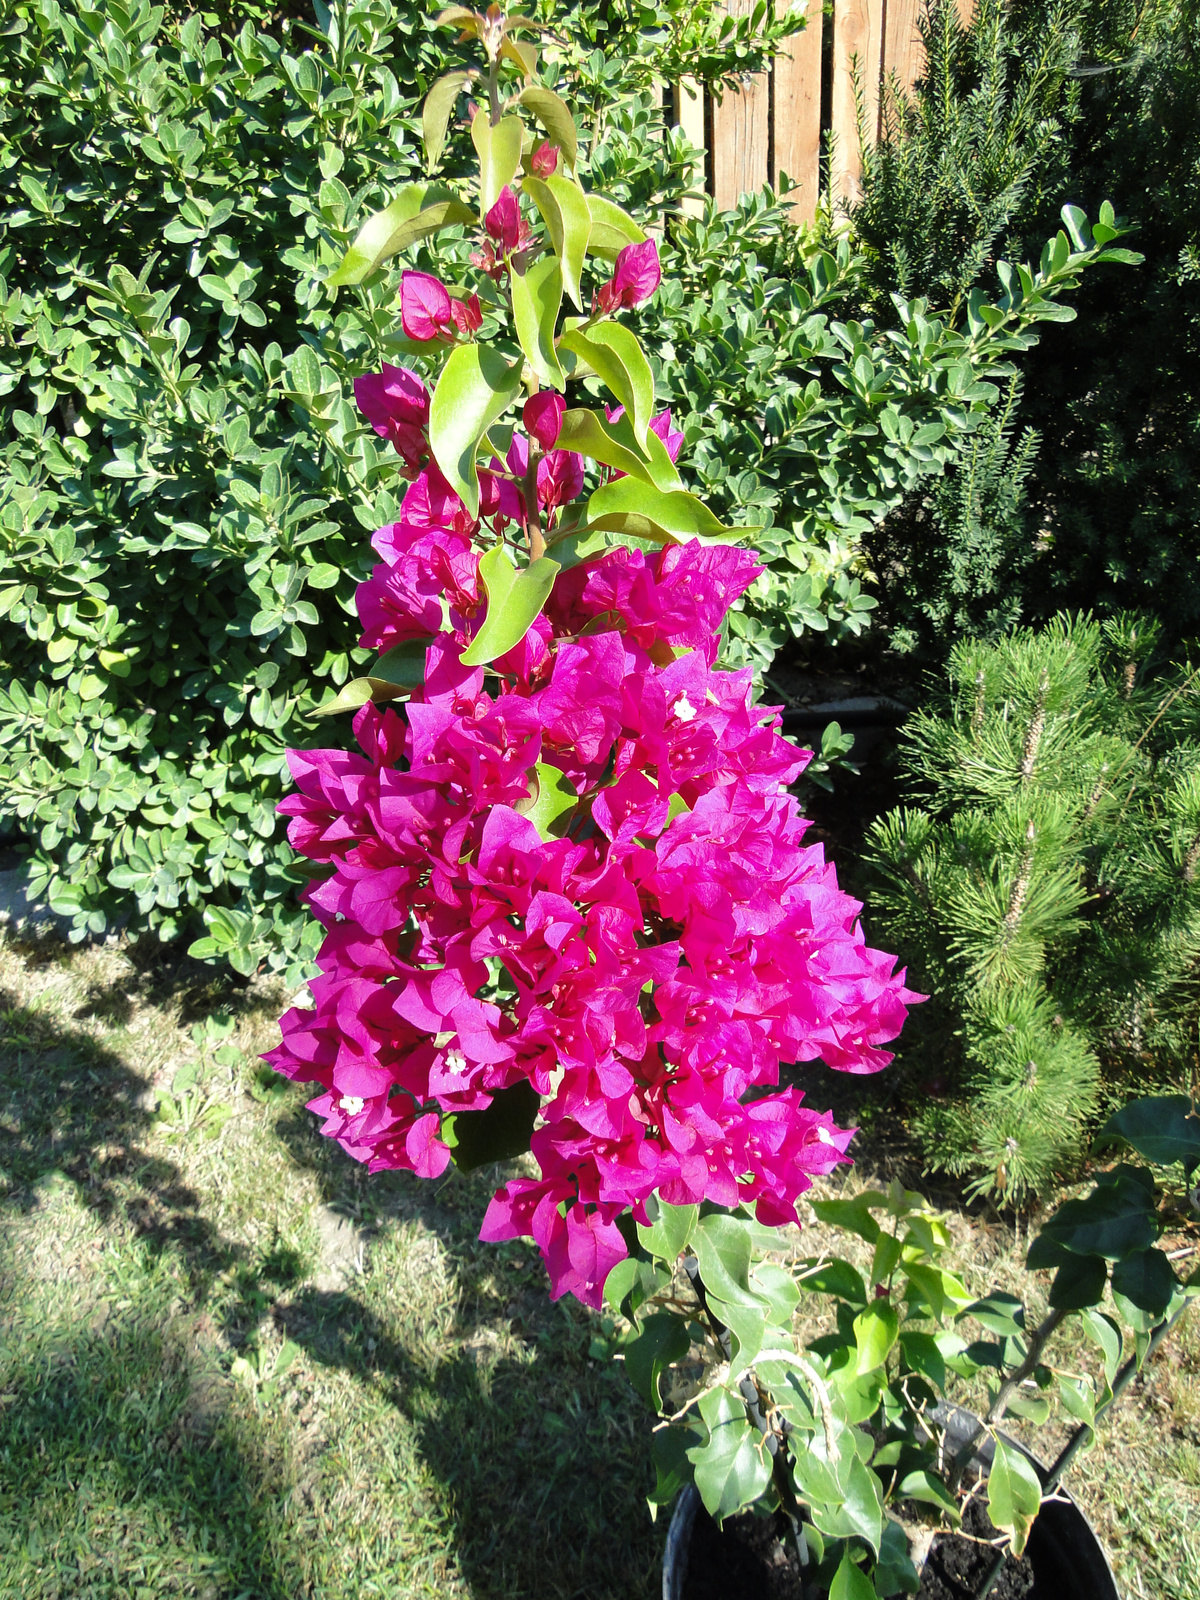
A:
435, 114
1014, 1495
555, 116
623, 367
475, 387
564, 210
536, 297
779, 1289
612, 228
552, 797
850, 1582
630, 505
747, 1324
417, 211
733, 1468
591, 435
1078, 1397
355, 694
670, 1231
499, 151
876, 1329
514, 600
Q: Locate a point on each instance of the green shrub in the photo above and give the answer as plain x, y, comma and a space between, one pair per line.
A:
1043, 885
188, 487
1031, 106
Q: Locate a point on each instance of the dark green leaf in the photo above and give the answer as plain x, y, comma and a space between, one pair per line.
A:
1147, 1280
662, 1341
1112, 1221
1079, 1282
1162, 1128
499, 1132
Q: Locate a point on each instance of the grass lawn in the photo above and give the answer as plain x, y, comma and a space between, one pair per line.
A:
233, 1366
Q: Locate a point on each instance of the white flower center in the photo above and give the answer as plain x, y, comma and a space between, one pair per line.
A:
824, 1135
352, 1104
684, 709
456, 1063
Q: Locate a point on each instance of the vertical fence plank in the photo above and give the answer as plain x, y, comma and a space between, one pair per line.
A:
741, 134
688, 107
903, 52
857, 40
797, 104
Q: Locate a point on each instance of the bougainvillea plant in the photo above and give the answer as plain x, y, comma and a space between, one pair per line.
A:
568, 902
569, 907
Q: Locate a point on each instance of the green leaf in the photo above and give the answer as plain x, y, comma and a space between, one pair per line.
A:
1078, 1398
1103, 1331
564, 210
499, 151
672, 1469
854, 1215
937, 1287
876, 1329
895, 1572
1014, 1494
999, 1312
732, 1469
630, 505
621, 345
403, 665
663, 1340
723, 1247
1079, 1282
612, 228
476, 387
850, 1582
417, 211
668, 1235
435, 115
1033, 1408
536, 297
1161, 1128
922, 1355
553, 797
592, 436
777, 1284
859, 1513
555, 116
928, 1487
834, 1277
498, 1132
352, 697
747, 1324
514, 600
1146, 1280
1112, 1221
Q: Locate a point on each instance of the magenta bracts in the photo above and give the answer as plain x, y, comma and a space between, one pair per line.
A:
648, 971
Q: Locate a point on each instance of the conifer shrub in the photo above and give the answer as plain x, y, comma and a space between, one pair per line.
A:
1042, 881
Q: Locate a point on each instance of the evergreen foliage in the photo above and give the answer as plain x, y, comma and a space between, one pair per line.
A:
1043, 884
1028, 107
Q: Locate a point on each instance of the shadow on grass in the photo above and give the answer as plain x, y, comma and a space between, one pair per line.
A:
545, 1460
541, 1457
126, 1472
72, 1107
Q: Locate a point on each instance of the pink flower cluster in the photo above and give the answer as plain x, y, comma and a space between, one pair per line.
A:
646, 965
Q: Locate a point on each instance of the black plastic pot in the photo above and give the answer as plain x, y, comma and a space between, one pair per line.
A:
1067, 1557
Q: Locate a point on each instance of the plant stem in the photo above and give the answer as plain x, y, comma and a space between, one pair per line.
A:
1076, 1442
1037, 1343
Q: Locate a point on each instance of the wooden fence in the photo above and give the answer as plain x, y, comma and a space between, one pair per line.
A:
776, 123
